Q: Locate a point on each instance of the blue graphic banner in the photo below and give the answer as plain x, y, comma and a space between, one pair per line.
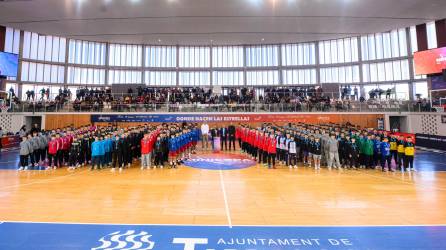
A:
26, 236
171, 118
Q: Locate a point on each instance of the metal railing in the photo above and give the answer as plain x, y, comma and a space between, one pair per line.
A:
376, 106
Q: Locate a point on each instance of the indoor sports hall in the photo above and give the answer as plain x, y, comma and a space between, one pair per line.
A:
222, 125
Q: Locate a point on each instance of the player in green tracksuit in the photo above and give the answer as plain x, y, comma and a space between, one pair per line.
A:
367, 146
360, 143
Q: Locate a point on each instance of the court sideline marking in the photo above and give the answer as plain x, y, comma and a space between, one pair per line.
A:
223, 189
216, 225
43, 181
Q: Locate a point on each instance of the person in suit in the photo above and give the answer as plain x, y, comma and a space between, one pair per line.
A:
223, 133
231, 136
214, 133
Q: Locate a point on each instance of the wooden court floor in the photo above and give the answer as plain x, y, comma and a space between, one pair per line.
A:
252, 196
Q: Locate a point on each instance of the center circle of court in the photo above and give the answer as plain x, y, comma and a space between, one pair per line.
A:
220, 161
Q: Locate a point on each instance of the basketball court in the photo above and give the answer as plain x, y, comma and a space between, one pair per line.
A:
223, 201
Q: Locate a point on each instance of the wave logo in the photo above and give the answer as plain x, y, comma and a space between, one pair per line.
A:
220, 162
129, 240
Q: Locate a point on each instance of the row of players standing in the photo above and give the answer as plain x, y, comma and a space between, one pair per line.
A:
76, 147
108, 146
331, 145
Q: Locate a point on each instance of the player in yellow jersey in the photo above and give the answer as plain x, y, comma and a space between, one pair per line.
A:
400, 148
409, 152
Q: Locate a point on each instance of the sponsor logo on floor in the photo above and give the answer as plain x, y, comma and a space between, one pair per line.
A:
220, 161
39, 236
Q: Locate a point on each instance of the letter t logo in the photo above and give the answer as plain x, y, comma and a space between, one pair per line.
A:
189, 243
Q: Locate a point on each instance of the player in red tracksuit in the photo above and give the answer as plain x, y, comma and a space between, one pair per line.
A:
265, 148
251, 139
53, 148
259, 147
59, 154
244, 136
65, 148
255, 145
272, 151
238, 136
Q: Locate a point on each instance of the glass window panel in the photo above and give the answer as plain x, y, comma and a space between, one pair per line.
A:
347, 50
413, 39
366, 72
47, 73
9, 39
54, 53
354, 49
25, 71
397, 70
228, 78
39, 72
41, 48
223, 57
405, 75
395, 43
389, 71
48, 48
34, 43
262, 56
379, 46
198, 78
381, 72
89, 53
340, 45
420, 88
364, 48
431, 35
62, 49
402, 91
387, 47
267, 77
372, 47
403, 42
26, 44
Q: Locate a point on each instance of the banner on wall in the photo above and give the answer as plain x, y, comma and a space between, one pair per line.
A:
438, 83
431, 141
10, 141
160, 118
430, 61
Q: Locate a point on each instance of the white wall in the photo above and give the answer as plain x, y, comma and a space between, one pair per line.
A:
11, 122
426, 123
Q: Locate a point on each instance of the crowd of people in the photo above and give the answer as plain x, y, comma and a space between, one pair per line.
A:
245, 99
169, 145
330, 145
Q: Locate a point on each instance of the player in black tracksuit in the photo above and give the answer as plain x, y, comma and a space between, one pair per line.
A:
118, 153
165, 149
127, 150
353, 152
342, 150
74, 154
85, 150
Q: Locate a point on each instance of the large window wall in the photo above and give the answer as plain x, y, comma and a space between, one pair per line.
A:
369, 61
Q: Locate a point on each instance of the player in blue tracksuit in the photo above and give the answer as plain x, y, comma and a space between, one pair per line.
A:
102, 151
196, 138
173, 150
377, 151
108, 144
386, 155
97, 151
